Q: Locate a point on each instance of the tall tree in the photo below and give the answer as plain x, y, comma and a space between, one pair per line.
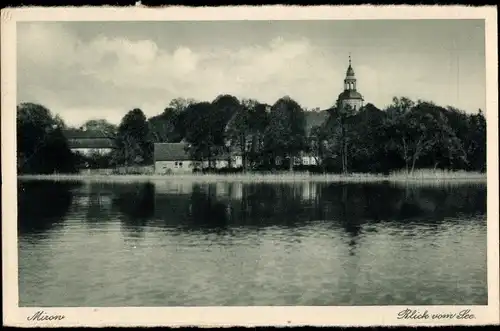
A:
338, 126
226, 107
204, 132
41, 144
245, 130
166, 127
100, 125
476, 142
418, 129
317, 144
238, 133
133, 141
286, 135
367, 140
259, 122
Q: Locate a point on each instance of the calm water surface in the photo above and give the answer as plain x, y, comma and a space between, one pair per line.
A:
194, 244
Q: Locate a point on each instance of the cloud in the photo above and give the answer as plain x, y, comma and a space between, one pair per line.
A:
125, 69
108, 75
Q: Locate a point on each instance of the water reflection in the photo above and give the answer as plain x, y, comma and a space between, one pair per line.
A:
42, 205
185, 243
219, 206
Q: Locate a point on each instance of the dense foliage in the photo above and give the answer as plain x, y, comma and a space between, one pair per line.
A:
406, 135
133, 140
41, 145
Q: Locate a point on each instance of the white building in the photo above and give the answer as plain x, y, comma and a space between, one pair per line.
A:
89, 142
174, 158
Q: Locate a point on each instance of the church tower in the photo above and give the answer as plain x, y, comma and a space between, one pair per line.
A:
350, 96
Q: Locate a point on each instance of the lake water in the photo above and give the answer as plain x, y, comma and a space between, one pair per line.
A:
236, 244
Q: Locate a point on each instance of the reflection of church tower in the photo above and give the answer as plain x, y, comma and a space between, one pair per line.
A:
350, 96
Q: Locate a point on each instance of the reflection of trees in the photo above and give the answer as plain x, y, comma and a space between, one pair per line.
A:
435, 204
136, 204
347, 205
274, 204
354, 205
202, 209
42, 204
98, 208
351, 203
258, 205
206, 210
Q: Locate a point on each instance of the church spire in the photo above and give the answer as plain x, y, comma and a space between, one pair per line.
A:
350, 96
350, 79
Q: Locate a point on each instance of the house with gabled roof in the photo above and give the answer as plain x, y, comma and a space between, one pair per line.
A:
172, 157
89, 142
175, 158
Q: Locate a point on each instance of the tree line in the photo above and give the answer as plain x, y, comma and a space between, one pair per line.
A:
405, 135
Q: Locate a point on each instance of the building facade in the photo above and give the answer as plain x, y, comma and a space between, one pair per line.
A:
89, 142
174, 158
350, 96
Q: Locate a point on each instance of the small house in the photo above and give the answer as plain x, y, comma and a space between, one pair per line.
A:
89, 142
172, 157
175, 158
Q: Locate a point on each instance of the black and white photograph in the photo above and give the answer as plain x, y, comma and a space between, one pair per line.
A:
253, 163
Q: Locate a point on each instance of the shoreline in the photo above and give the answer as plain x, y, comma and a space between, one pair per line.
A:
445, 177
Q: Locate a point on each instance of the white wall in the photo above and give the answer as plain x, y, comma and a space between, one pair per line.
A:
88, 151
354, 103
308, 160
235, 163
163, 167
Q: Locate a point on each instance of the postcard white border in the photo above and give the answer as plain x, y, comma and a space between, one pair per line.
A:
232, 316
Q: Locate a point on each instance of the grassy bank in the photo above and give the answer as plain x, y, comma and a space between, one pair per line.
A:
422, 176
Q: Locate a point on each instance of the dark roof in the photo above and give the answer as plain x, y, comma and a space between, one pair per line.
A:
350, 71
178, 152
350, 94
92, 143
80, 134
315, 118
171, 152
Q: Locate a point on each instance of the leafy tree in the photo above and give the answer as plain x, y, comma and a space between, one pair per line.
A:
367, 140
476, 142
133, 141
317, 144
285, 136
259, 122
226, 107
418, 129
238, 133
168, 126
245, 131
165, 127
100, 125
41, 144
180, 104
338, 128
204, 132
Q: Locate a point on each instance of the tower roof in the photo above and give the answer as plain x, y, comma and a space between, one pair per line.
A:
350, 94
350, 70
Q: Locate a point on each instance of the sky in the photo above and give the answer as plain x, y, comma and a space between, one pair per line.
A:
91, 70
